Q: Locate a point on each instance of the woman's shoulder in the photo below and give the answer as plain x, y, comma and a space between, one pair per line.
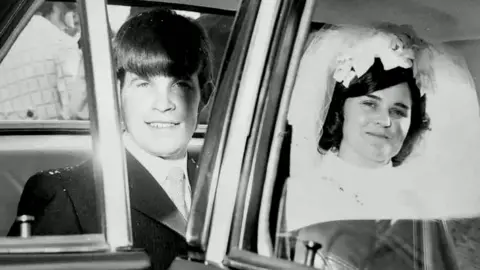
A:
336, 191
316, 198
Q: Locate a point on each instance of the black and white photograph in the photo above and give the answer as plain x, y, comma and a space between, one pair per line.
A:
239, 134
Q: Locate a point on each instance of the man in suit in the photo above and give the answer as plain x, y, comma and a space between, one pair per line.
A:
164, 76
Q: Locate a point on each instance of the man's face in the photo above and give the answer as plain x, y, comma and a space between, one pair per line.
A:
161, 112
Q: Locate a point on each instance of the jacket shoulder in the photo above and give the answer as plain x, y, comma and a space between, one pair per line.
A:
44, 184
45, 197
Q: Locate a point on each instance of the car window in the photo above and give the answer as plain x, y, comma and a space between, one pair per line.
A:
324, 222
44, 79
411, 228
44, 118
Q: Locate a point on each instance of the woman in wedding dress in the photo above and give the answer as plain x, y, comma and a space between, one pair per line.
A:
371, 175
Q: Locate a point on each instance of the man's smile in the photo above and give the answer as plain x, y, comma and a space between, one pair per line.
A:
162, 124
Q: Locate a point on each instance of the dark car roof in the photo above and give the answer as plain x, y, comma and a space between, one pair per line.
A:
440, 20
437, 20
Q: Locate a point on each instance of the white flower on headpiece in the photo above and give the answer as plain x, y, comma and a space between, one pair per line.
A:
358, 59
344, 71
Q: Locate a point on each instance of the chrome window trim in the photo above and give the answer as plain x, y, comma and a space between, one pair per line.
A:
54, 244
264, 242
198, 228
452, 257
229, 173
244, 227
17, 127
106, 138
242, 259
106, 114
109, 153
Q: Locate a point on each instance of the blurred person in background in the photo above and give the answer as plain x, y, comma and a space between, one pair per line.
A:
37, 74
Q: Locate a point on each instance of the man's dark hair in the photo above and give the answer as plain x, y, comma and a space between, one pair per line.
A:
161, 42
375, 79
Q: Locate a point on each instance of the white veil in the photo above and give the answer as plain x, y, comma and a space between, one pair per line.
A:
439, 177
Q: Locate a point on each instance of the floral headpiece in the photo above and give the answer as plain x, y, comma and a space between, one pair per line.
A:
393, 50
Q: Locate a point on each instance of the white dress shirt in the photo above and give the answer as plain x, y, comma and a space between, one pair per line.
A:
159, 167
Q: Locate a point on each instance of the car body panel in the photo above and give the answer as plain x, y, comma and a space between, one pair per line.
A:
132, 260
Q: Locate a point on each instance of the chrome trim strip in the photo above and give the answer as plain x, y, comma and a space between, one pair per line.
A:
109, 152
449, 245
60, 125
54, 244
264, 242
241, 121
198, 228
39, 125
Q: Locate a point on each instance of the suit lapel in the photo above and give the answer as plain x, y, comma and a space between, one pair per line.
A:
146, 195
149, 198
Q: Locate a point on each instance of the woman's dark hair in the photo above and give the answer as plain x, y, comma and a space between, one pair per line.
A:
376, 78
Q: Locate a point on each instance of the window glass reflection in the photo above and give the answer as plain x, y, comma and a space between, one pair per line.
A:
375, 157
50, 170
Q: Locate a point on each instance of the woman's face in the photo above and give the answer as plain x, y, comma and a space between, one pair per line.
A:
375, 126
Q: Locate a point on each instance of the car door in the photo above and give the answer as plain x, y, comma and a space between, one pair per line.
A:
51, 141
35, 138
236, 214
260, 62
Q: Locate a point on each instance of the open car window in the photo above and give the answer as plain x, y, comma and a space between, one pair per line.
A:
405, 221
263, 201
45, 122
418, 229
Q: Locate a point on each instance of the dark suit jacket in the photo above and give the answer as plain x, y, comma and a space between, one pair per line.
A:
64, 202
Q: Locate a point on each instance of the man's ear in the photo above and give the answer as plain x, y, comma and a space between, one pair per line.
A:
206, 96
120, 105
119, 93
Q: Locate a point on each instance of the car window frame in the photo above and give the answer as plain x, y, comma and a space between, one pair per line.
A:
268, 130
86, 242
209, 231
16, 125
241, 256
255, 190
77, 243
230, 73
